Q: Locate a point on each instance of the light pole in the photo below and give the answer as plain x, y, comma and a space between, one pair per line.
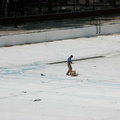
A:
15, 17
74, 5
93, 9
96, 21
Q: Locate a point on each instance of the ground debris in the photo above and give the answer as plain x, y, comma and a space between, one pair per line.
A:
36, 100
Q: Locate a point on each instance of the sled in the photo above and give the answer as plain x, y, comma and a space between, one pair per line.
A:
73, 73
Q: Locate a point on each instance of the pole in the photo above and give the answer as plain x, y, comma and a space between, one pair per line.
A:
15, 18
93, 9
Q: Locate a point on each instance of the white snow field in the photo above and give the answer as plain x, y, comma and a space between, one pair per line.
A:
33, 89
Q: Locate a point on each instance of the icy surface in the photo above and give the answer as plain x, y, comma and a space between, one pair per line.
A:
33, 89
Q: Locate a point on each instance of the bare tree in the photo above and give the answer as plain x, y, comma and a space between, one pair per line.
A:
4, 7
0, 7
112, 2
87, 2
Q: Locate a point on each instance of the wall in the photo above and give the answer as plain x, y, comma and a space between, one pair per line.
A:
19, 39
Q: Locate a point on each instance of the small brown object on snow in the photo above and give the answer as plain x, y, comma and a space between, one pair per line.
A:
73, 73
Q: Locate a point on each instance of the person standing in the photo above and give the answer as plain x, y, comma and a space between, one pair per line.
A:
69, 62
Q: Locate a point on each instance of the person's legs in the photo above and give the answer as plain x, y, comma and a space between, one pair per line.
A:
69, 69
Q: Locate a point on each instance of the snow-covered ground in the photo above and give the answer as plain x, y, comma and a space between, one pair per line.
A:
33, 89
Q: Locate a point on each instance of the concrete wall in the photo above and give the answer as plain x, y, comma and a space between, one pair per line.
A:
19, 39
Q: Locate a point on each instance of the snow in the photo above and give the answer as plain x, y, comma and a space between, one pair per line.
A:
33, 89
